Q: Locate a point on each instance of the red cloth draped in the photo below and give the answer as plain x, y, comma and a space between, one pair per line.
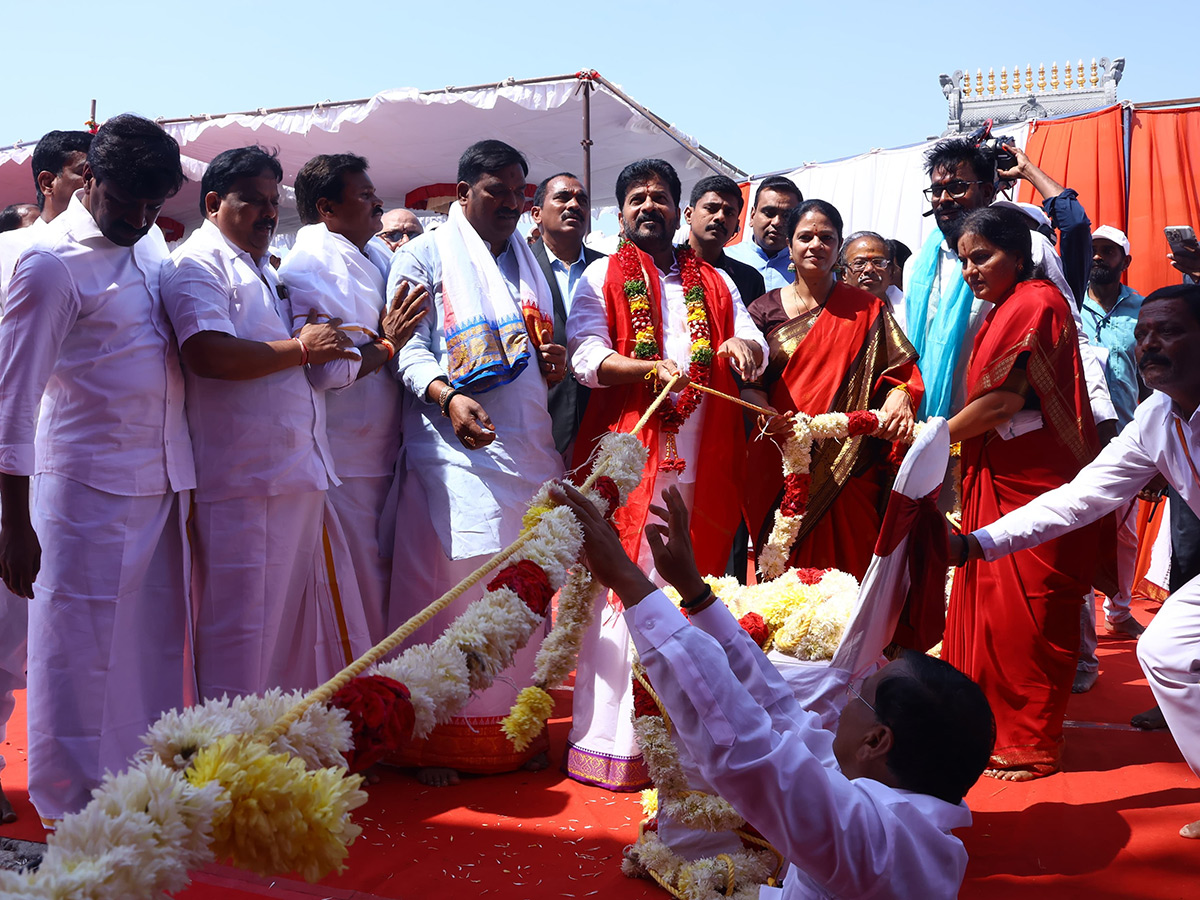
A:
1013, 624
849, 359
720, 469
922, 619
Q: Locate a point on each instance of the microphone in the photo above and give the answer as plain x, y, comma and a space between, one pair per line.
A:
927, 213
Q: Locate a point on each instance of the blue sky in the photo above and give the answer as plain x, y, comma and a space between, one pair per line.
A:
768, 86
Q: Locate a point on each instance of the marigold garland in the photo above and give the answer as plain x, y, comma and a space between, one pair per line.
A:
648, 340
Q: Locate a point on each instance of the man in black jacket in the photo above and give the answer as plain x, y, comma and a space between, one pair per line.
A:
562, 211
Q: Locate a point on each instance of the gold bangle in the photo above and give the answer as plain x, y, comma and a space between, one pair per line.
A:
902, 387
956, 450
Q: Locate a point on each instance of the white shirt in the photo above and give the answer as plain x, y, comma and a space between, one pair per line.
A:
85, 326
261, 437
326, 272
589, 341
1157, 440
12, 245
895, 302
750, 738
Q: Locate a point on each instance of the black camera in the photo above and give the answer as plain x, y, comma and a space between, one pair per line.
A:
983, 138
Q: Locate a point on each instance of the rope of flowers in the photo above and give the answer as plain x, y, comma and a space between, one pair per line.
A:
265, 782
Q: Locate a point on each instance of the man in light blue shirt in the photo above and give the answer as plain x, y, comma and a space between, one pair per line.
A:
1109, 314
768, 252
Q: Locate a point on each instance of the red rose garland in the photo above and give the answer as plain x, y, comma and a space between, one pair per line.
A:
529, 582
381, 718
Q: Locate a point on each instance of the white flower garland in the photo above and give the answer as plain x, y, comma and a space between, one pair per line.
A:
703, 879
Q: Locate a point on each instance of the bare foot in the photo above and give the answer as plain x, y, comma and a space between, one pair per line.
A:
1150, 720
537, 763
7, 814
1191, 830
437, 777
1084, 681
1012, 774
1130, 627
371, 774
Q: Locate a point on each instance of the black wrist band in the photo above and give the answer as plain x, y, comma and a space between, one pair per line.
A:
696, 601
965, 553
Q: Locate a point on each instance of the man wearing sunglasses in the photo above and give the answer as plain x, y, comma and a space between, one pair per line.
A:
398, 227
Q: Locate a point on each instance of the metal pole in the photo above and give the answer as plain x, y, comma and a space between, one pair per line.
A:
587, 137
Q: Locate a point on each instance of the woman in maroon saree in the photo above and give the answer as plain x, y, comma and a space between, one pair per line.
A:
833, 348
1013, 624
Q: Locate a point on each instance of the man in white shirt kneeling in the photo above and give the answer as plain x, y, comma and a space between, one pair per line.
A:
867, 811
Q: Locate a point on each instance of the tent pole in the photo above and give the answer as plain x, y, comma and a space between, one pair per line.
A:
587, 137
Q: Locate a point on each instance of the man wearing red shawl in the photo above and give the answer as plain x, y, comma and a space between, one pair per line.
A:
638, 319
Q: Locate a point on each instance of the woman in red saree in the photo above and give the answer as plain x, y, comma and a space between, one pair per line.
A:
832, 348
1013, 624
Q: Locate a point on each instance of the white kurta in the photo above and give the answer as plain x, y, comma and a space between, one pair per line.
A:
772, 760
602, 748
1158, 440
325, 272
86, 337
266, 585
455, 507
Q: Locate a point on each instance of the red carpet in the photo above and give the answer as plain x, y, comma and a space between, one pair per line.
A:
1105, 828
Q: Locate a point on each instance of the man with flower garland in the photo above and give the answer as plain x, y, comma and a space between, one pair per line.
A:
650, 314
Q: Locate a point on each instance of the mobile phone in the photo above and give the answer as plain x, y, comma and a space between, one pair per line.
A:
1178, 236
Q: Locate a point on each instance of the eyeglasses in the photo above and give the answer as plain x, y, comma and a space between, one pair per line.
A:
850, 690
860, 265
397, 236
956, 189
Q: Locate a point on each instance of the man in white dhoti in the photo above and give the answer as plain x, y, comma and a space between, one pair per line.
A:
99, 551
1163, 438
864, 811
337, 268
477, 433
700, 330
270, 608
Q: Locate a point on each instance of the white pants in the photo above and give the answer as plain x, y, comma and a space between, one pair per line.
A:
1169, 651
359, 504
276, 605
14, 630
1116, 607
107, 634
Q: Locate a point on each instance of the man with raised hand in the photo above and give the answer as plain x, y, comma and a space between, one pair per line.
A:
562, 212
650, 313
477, 434
337, 268
99, 551
768, 249
268, 611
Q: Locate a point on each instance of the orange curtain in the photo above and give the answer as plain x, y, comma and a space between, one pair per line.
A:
1164, 189
1085, 153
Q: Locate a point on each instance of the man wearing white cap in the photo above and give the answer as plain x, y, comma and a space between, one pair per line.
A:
1110, 313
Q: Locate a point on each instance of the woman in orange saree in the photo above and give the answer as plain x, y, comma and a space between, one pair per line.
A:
1013, 624
832, 348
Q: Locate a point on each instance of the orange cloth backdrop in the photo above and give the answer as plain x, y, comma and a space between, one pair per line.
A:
1164, 189
1085, 153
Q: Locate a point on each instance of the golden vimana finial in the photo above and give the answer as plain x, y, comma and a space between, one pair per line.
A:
1028, 77
1068, 75
1003, 80
1095, 73
1079, 75
979, 82
991, 81
1041, 82
1054, 76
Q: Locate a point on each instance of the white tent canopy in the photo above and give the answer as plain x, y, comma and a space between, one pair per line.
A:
876, 191
413, 139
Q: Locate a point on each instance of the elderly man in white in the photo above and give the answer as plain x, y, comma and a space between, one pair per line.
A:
86, 338
1161, 439
270, 610
335, 266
